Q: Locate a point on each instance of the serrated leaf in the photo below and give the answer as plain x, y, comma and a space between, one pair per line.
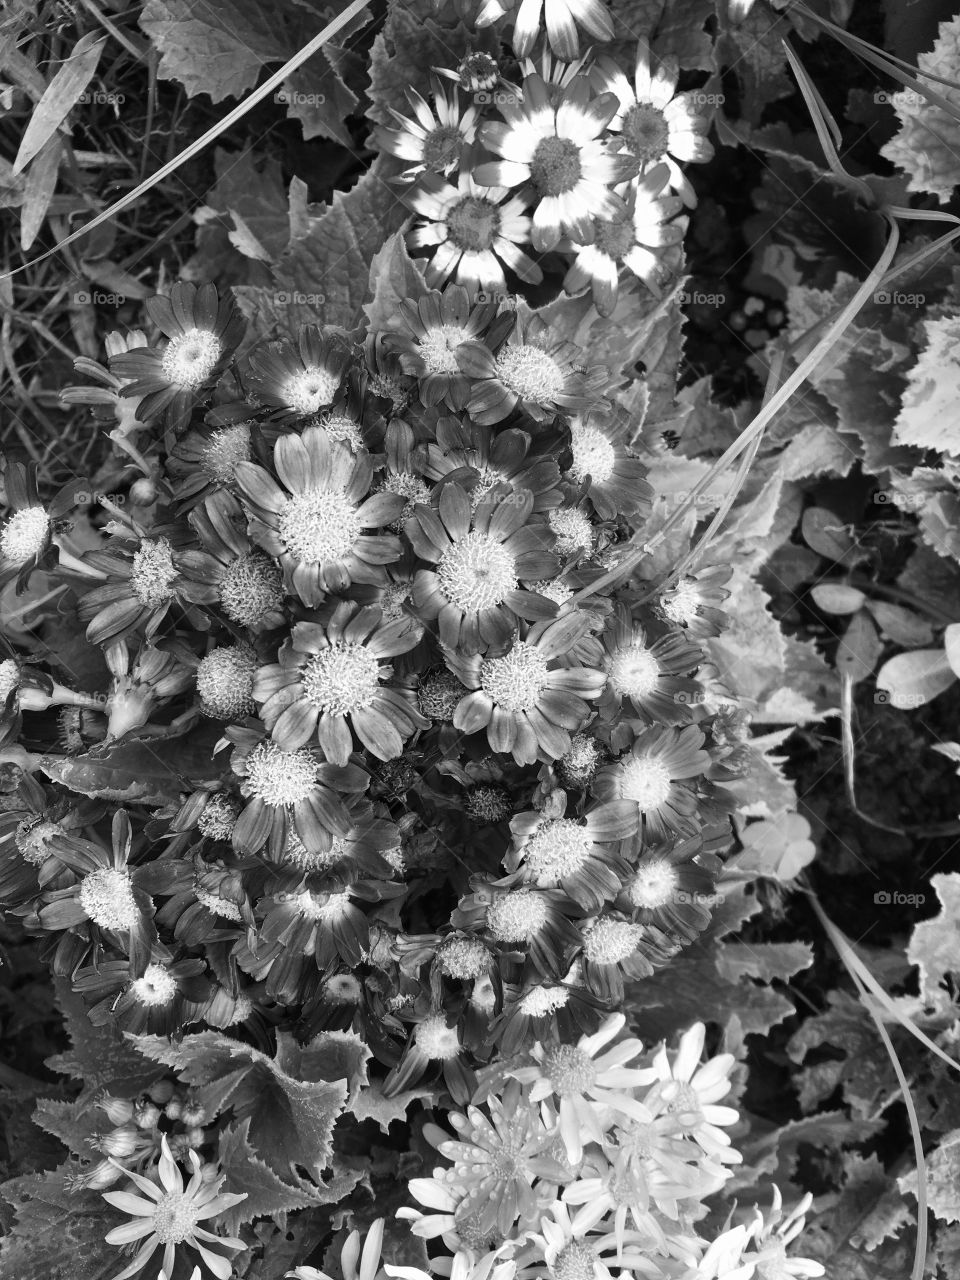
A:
763, 960
951, 647
72, 1122
59, 1233
393, 277
927, 417
928, 142
370, 1104
60, 97
837, 597
913, 679
943, 1178
267, 1193
674, 27
935, 945
218, 48
95, 1055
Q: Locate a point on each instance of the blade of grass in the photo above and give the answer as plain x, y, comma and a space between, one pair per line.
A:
228, 121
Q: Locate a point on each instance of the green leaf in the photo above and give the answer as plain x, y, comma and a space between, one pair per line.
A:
935, 945
267, 1193
149, 772
292, 1107
673, 27
827, 535
322, 276
779, 848
59, 1234
913, 679
943, 1178
74, 1123
38, 190
393, 277
95, 1055
370, 1104
859, 649
837, 597
60, 97
901, 625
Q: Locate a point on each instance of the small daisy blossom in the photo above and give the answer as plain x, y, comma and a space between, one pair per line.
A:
464, 1265
434, 141
474, 230
167, 1214
655, 122
574, 1247
585, 1082
689, 1092
354, 1263
557, 148
562, 19
771, 1237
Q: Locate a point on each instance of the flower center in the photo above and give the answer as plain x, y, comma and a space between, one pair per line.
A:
280, 777
615, 238
297, 853
323, 906
155, 989
191, 357
9, 678
572, 530
646, 132
24, 535
473, 224
342, 679
341, 429
639, 1141
438, 348
222, 452
219, 817
442, 147
575, 1261
634, 672
542, 1001
463, 958
555, 590
225, 682
319, 526
681, 604
250, 588
408, 486
216, 905
309, 391
107, 897
582, 760
681, 1100
516, 680
153, 571
478, 71
645, 780
435, 1039
593, 455
530, 373
609, 941
653, 885
555, 167
514, 916
488, 804
175, 1217
558, 848
342, 988
32, 838
569, 1070
439, 695
472, 1232
477, 572
626, 1188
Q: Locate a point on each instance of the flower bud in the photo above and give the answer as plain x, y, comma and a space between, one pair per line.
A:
103, 1175
193, 1114
146, 1114
173, 1110
161, 1092
119, 1110
120, 1142
194, 1137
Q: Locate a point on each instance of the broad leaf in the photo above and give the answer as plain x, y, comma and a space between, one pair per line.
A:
912, 679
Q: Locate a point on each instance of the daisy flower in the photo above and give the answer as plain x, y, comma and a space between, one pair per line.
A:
206, 458
541, 1011
435, 1041
298, 380
26, 535
652, 677
167, 1213
475, 231
107, 400
164, 999
525, 699
580, 1248
577, 767
433, 142
451, 1221
537, 918
634, 241
654, 774
476, 72
203, 331
433, 328
479, 460
694, 602
690, 1092
562, 19
533, 370
615, 947
577, 855
770, 1237
586, 1080
655, 123
354, 1264
246, 583
331, 679
670, 888
478, 559
315, 520
329, 926
556, 148
613, 479
289, 790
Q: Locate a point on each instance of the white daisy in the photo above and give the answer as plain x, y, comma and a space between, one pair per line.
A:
562, 19
689, 1092
434, 141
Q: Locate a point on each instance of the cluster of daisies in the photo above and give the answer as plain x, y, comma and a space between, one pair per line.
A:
524, 160
589, 1160
460, 784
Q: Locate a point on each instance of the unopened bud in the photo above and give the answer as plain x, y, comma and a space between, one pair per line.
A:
119, 1110
194, 1137
161, 1092
173, 1110
120, 1142
102, 1176
146, 1114
193, 1115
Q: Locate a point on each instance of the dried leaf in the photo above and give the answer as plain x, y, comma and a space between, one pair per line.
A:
60, 97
